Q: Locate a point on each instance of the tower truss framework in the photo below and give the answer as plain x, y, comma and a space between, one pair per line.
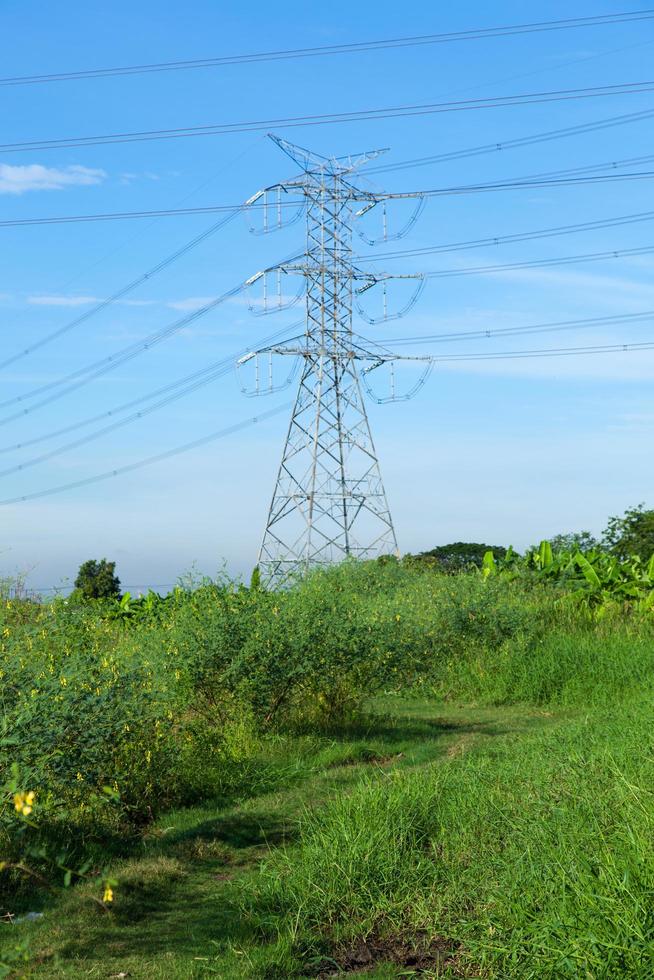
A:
329, 500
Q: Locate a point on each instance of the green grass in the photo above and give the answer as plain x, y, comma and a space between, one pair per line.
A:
528, 856
187, 902
493, 821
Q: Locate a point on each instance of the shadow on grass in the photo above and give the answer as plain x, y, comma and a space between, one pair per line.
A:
184, 918
395, 732
181, 897
236, 830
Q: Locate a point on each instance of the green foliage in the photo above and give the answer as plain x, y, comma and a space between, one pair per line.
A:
632, 534
113, 711
457, 557
98, 580
597, 580
162, 698
575, 541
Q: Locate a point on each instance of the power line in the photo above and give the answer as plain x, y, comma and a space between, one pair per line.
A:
133, 402
541, 263
150, 460
85, 375
553, 232
119, 215
213, 375
221, 433
362, 115
190, 383
548, 352
123, 291
536, 263
166, 395
552, 134
357, 47
517, 183
38, 589
511, 184
548, 327
587, 168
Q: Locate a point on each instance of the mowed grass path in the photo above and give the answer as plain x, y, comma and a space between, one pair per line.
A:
178, 910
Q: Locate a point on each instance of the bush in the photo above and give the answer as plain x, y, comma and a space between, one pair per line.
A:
115, 711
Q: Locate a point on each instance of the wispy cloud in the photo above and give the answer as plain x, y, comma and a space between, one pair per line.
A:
617, 289
54, 300
128, 177
35, 177
62, 300
190, 303
611, 367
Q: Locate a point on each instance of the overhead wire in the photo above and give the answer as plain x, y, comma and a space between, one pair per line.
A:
149, 274
499, 145
83, 376
150, 460
549, 352
514, 184
196, 443
361, 115
535, 263
588, 168
356, 47
546, 327
552, 232
165, 396
508, 184
118, 215
119, 293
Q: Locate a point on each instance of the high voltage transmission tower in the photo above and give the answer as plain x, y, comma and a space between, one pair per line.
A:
329, 500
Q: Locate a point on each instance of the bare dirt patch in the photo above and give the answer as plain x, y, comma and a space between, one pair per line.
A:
419, 954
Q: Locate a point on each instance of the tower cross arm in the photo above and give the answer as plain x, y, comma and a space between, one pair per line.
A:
311, 162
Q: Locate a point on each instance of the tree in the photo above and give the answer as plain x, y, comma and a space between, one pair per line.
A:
631, 534
574, 541
98, 580
458, 556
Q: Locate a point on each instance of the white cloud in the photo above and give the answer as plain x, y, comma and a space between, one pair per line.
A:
62, 300
128, 177
611, 367
35, 177
190, 303
616, 289
84, 301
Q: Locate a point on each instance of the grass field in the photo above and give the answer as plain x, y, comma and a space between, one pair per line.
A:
179, 908
490, 816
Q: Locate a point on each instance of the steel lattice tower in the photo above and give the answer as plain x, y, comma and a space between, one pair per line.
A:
329, 500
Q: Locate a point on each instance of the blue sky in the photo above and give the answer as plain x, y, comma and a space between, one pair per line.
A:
500, 451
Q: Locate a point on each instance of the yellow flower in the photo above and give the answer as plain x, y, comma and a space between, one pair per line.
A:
108, 894
24, 803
